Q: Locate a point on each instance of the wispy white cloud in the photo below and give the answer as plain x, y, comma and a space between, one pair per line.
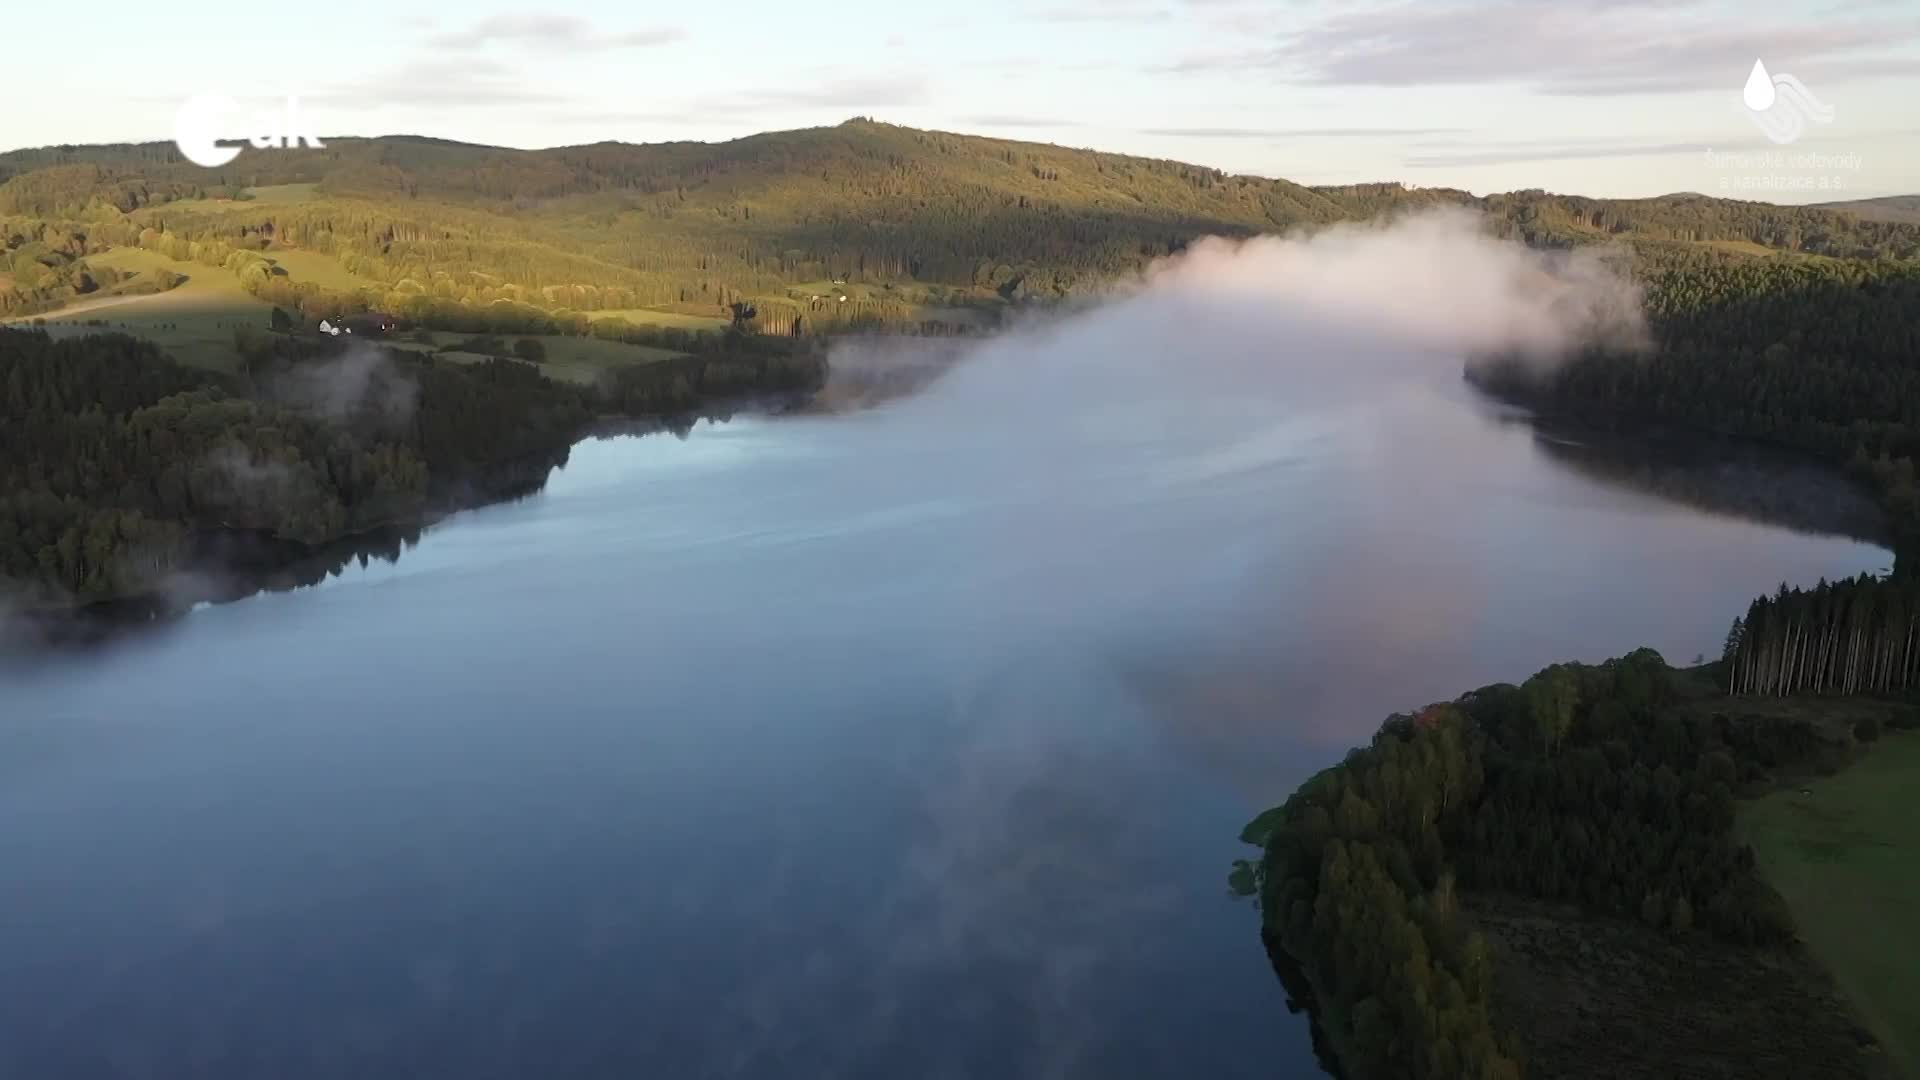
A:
1014, 121
568, 32
1596, 48
1457, 152
854, 96
439, 82
1111, 11
1295, 133
896, 88
1576, 152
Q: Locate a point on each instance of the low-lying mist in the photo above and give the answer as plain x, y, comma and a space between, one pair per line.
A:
360, 387
1308, 312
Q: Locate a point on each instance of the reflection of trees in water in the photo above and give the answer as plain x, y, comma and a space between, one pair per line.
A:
1300, 999
223, 567
1722, 476
232, 564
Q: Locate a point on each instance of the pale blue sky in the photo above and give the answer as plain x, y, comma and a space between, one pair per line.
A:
1604, 97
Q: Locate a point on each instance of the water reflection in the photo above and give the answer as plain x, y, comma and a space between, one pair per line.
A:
1738, 478
222, 568
893, 743
1728, 476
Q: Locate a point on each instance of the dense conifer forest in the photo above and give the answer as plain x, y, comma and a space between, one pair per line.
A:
117, 463
1818, 354
1846, 637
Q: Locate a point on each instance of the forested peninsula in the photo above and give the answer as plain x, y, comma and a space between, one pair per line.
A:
135, 484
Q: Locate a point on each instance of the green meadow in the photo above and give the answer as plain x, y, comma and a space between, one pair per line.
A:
574, 359
195, 320
1845, 853
659, 317
281, 194
321, 269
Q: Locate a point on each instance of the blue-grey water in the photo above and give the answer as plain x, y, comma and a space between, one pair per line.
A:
911, 742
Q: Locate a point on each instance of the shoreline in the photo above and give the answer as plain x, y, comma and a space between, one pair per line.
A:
1897, 535
228, 565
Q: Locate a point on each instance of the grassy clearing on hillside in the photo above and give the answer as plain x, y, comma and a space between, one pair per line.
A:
1739, 247
1846, 856
266, 194
323, 270
855, 290
195, 320
952, 302
656, 317
573, 359
135, 260
562, 349
282, 194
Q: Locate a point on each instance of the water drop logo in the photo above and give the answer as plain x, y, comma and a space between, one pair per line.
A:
1781, 105
196, 130
203, 118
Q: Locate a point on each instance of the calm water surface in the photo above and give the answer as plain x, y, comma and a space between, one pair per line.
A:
905, 743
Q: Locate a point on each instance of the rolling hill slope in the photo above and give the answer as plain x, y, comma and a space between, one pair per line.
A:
1903, 209
930, 223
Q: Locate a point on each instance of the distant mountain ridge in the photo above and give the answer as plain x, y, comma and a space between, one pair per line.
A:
926, 217
1904, 209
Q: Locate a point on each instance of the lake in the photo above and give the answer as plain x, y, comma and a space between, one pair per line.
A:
904, 742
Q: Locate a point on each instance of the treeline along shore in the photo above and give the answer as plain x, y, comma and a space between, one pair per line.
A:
133, 485
1821, 356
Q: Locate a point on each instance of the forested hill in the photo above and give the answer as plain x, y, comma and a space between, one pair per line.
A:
859, 201
1792, 324
611, 225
